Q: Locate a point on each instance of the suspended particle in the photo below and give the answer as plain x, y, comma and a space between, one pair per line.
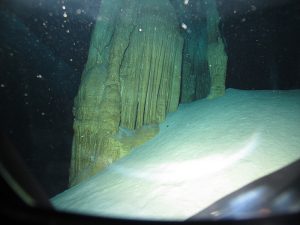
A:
78, 11
253, 7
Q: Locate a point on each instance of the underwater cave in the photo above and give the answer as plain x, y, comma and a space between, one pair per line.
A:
151, 109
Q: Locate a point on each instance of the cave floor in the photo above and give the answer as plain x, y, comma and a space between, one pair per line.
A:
204, 151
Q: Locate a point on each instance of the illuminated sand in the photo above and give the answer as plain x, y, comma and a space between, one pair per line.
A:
204, 151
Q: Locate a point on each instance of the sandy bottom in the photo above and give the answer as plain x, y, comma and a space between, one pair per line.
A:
204, 151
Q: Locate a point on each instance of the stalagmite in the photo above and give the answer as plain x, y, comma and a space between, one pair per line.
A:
130, 82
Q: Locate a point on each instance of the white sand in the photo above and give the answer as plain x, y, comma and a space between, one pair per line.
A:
204, 151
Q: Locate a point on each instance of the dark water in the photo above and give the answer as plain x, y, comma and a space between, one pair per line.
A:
42, 57
44, 46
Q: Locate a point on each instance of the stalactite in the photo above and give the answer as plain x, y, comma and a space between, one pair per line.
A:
195, 81
216, 55
87, 111
146, 88
131, 81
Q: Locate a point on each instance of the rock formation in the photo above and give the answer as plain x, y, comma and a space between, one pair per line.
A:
204, 61
132, 78
195, 82
216, 55
130, 82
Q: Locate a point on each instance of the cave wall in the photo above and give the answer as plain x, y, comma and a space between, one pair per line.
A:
130, 82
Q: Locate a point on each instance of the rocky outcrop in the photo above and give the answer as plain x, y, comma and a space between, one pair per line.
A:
130, 82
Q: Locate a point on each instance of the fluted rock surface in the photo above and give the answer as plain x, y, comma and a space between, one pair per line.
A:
131, 81
150, 74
